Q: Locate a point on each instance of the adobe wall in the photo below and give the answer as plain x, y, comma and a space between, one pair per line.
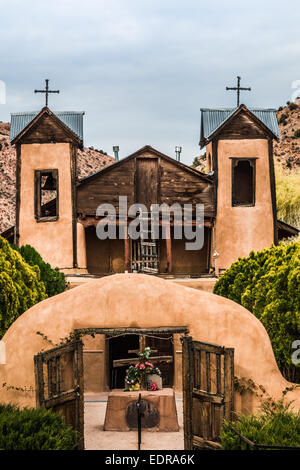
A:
81, 247
242, 229
137, 300
53, 240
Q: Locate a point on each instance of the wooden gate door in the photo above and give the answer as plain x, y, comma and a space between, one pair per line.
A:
145, 256
59, 384
208, 372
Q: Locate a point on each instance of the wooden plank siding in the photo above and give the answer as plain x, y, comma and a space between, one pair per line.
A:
242, 126
106, 188
179, 186
147, 181
175, 183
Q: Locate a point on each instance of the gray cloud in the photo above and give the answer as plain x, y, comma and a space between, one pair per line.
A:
141, 70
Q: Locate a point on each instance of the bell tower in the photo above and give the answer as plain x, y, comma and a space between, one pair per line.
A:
239, 146
46, 145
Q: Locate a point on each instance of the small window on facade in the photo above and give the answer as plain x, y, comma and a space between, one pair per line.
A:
46, 195
243, 182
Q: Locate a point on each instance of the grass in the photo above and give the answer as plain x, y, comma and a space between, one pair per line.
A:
288, 195
275, 425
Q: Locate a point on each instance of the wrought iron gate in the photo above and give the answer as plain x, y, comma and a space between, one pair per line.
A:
59, 384
208, 372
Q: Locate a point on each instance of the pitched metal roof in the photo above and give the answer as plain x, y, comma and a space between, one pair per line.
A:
212, 119
72, 119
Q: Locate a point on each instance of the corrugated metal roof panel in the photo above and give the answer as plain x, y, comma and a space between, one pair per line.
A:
72, 119
212, 119
269, 118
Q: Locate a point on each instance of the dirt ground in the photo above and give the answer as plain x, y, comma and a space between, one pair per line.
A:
97, 439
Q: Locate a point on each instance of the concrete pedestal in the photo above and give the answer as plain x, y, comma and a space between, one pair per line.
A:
163, 400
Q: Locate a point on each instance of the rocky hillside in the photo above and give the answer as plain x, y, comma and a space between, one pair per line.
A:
287, 150
89, 161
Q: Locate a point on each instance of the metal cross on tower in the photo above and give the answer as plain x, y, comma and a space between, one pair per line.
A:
238, 88
46, 91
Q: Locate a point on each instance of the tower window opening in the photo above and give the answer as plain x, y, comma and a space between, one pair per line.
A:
46, 195
243, 182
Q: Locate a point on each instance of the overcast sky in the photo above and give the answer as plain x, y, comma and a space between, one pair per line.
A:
141, 69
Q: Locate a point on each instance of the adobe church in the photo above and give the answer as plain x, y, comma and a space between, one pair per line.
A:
56, 212
118, 316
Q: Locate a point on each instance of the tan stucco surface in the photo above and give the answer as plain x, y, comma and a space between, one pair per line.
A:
81, 248
53, 240
242, 229
137, 300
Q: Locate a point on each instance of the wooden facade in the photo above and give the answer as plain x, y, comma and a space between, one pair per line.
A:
146, 177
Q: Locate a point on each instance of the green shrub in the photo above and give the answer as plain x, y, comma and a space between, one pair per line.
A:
54, 280
34, 429
268, 284
20, 285
283, 118
297, 134
293, 106
274, 426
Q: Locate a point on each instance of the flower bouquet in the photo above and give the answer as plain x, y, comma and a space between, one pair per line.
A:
136, 376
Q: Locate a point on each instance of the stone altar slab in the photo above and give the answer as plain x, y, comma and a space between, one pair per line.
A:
163, 400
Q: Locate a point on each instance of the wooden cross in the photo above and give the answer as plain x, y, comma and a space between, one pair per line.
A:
46, 91
238, 88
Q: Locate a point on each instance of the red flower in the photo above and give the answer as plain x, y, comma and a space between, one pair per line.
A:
154, 387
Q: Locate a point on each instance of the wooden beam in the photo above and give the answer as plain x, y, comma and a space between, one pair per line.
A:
92, 220
134, 360
204, 444
187, 386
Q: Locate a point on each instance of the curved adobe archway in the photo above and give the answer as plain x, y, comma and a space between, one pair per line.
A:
136, 300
